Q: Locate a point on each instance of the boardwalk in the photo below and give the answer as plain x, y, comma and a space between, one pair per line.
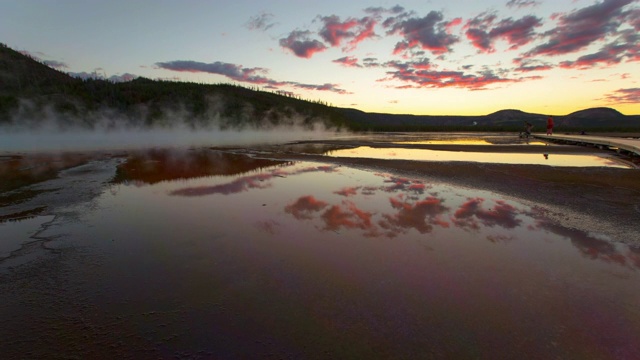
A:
616, 143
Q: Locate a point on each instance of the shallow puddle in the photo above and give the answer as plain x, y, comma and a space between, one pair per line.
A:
486, 157
15, 233
469, 141
435, 138
300, 259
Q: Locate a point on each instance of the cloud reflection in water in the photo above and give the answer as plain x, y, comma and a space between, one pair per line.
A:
245, 183
359, 208
471, 213
338, 244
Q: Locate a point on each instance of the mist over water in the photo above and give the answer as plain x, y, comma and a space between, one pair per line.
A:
77, 140
107, 132
35, 128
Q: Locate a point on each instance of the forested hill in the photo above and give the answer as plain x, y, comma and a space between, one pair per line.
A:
33, 94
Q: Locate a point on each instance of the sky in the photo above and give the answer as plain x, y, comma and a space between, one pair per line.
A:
427, 57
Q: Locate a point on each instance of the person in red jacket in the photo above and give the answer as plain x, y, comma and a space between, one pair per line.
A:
550, 125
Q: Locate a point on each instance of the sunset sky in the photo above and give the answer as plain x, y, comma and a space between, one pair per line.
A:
435, 57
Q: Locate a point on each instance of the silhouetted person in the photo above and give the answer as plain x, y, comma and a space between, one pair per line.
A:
550, 125
527, 131
546, 156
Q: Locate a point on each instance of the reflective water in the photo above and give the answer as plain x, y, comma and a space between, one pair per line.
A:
463, 138
466, 141
17, 233
306, 260
487, 157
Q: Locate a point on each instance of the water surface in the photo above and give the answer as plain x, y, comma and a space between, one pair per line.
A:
17, 233
542, 158
304, 260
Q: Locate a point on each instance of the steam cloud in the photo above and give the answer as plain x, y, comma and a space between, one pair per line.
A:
42, 129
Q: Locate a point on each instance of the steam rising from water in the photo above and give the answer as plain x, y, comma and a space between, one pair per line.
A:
76, 140
40, 129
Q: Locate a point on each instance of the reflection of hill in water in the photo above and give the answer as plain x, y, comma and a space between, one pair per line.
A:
158, 165
21, 170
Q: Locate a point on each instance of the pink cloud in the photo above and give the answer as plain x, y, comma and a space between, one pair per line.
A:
529, 65
301, 45
501, 214
580, 28
451, 24
260, 22
366, 31
322, 87
444, 79
232, 71
303, 207
370, 62
334, 31
345, 215
427, 33
348, 61
351, 217
517, 33
241, 74
483, 32
625, 47
624, 96
349, 191
421, 215
471, 213
418, 188
480, 39
633, 17
464, 216
397, 184
522, 3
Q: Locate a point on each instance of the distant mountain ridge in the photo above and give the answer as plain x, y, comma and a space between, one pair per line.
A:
32, 93
587, 118
510, 119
